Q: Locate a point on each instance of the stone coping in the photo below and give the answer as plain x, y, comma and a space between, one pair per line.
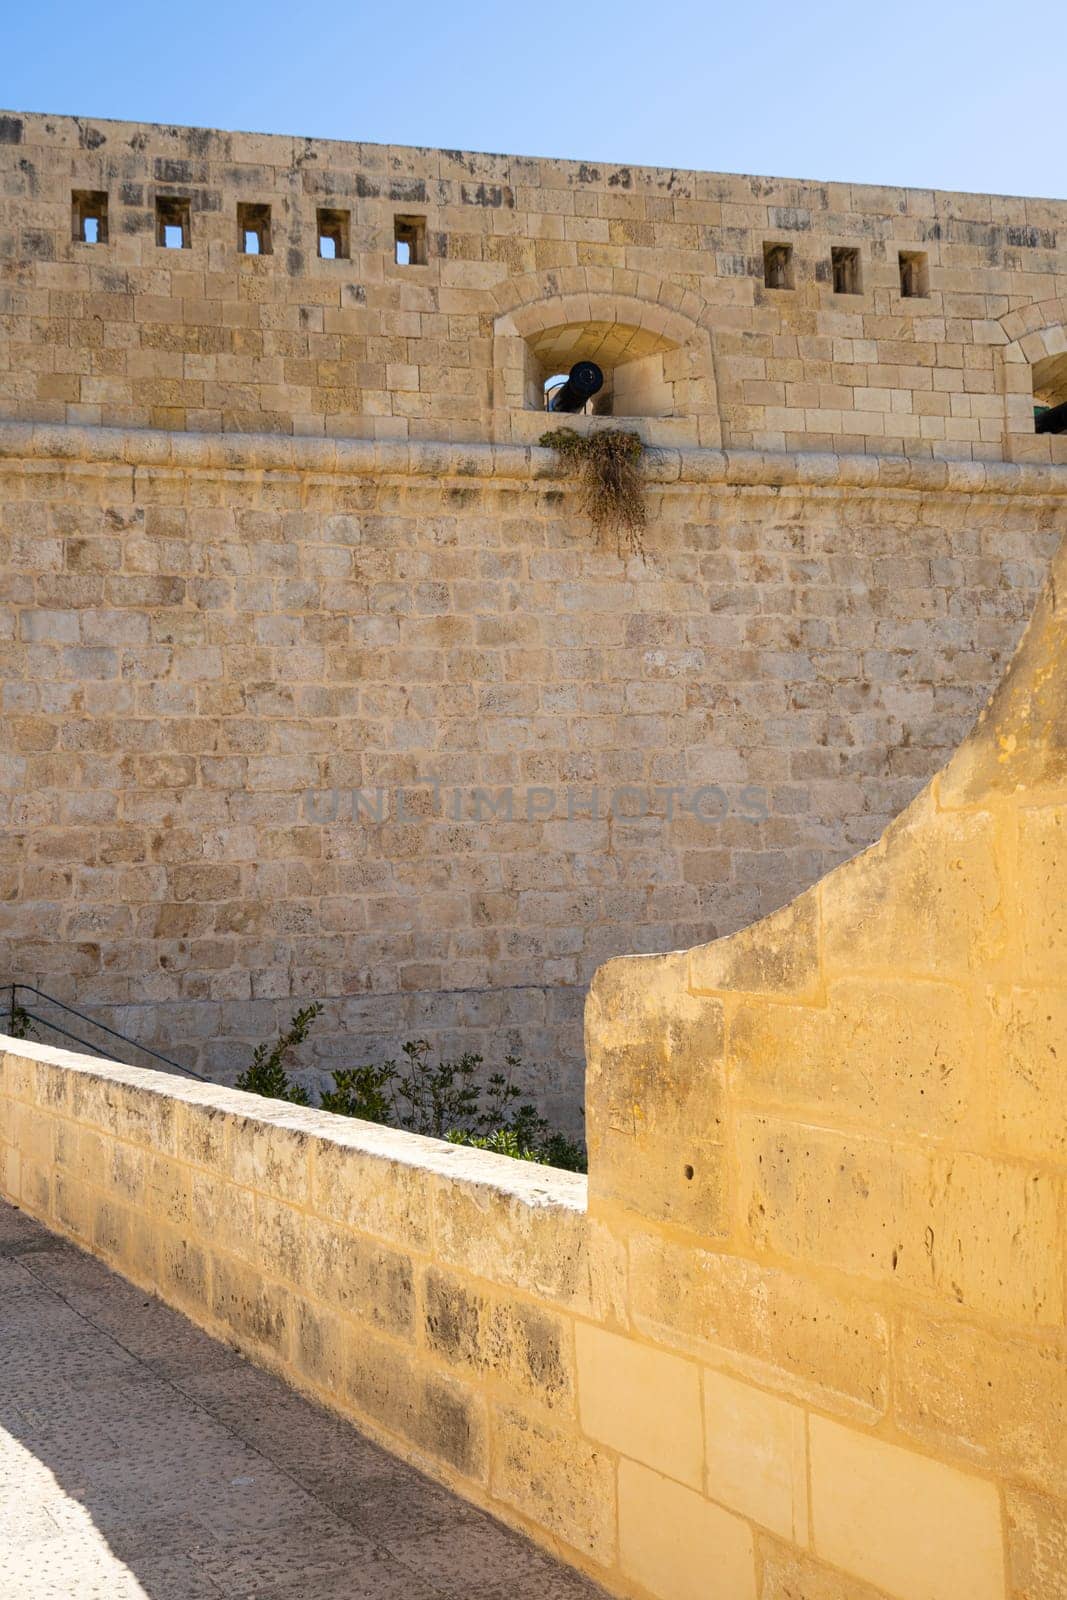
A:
526, 1182
276, 453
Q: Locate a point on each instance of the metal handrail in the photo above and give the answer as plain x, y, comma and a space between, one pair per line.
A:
32, 1016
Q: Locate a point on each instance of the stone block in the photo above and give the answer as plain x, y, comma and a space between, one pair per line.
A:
257, 1312
678, 1546
1037, 1546
371, 1194
556, 1479
429, 1410
927, 899
1029, 1089
547, 1249
510, 1344
987, 1398
757, 1456
780, 1329
902, 1521
655, 1094
788, 1574
877, 1054
358, 1276
184, 1274
640, 1401
964, 1228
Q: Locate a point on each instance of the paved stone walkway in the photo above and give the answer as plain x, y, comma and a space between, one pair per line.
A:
141, 1460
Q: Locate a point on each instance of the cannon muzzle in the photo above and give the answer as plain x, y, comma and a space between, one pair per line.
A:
585, 380
1050, 419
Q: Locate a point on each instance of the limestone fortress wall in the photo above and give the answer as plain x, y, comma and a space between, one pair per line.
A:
317, 683
515, 266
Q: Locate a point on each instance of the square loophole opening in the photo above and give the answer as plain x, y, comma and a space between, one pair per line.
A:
845, 266
253, 230
173, 222
333, 234
778, 266
409, 241
914, 274
88, 216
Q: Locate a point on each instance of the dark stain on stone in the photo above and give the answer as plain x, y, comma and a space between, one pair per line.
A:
447, 1426
409, 189
452, 1319
10, 130
487, 194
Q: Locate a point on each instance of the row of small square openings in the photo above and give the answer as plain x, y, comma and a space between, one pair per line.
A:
174, 228
409, 237
846, 270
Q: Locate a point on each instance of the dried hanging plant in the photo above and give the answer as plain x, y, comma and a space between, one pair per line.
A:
609, 471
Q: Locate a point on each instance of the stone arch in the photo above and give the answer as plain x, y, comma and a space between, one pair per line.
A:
1034, 335
625, 313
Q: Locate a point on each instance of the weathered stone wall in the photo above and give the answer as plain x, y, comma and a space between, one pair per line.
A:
836, 1146
214, 646
802, 1334
527, 262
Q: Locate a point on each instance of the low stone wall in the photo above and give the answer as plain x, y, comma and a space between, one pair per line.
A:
679, 1423
456, 1304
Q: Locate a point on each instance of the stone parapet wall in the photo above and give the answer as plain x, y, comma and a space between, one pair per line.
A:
215, 646
520, 261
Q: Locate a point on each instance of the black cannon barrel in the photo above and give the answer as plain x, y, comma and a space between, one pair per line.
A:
585, 380
1054, 420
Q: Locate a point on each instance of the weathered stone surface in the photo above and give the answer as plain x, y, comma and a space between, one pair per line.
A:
987, 1398
560, 1481
967, 1228
1037, 1546
778, 1328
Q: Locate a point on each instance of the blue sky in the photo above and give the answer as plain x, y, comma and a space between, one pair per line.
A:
946, 95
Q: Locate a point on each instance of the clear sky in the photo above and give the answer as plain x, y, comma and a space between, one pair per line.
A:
936, 94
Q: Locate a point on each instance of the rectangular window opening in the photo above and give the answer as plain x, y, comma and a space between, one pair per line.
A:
89, 216
173, 231
333, 235
914, 274
253, 230
846, 269
778, 266
409, 241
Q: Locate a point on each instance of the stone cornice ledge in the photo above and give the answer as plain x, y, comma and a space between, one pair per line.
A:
265, 452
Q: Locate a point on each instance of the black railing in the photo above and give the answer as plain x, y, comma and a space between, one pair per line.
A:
21, 1018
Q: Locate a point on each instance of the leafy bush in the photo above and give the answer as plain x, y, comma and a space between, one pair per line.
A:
20, 1024
267, 1074
443, 1099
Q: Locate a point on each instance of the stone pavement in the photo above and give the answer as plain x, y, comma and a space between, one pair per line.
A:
141, 1460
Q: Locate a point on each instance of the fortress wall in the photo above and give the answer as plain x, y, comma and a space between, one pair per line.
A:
127, 333
801, 1335
226, 659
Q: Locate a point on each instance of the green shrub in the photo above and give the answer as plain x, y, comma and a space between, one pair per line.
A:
267, 1074
443, 1099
